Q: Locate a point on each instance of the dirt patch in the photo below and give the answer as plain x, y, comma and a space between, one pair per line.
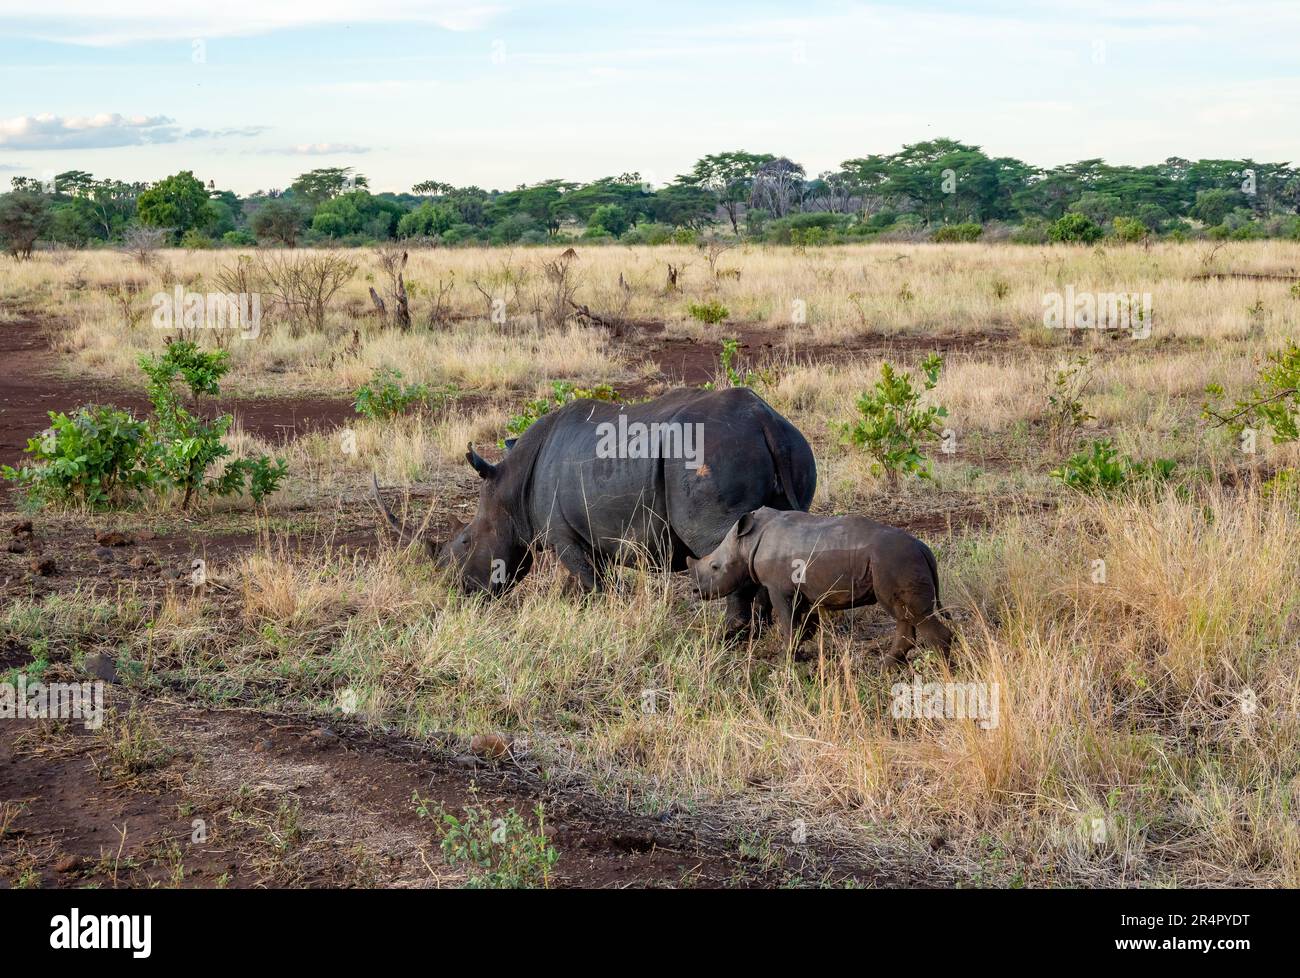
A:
33, 386
247, 799
691, 362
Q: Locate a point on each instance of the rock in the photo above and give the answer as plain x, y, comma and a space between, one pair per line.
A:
320, 738
101, 667
143, 535
42, 566
103, 553
263, 745
141, 561
466, 760
68, 864
22, 528
113, 538
16, 548
491, 746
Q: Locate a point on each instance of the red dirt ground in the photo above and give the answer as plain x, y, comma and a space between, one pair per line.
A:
31, 386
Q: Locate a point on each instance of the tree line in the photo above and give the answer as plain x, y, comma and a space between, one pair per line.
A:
941, 189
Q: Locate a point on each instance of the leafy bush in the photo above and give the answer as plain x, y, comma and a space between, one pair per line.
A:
1129, 229
734, 378
99, 455
498, 853
711, 312
893, 426
966, 231
814, 227
562, 392
1101, 469
1074, 228
184, 445
383, 396
93, 457
1273, 402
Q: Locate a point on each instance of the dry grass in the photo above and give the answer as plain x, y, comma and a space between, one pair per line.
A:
1159, 704
1147, 730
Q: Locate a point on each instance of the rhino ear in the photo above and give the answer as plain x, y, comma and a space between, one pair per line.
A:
484, 468
745, 524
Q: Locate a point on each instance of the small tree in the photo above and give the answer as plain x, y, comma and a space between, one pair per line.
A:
893, 426
185, 444
1066, 415
24, 216
142, 243
305, 284
280, 221
180, 203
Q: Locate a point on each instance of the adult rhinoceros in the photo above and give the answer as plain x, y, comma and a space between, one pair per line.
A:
602, 483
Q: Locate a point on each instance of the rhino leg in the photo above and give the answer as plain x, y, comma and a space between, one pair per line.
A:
934, 633
782, 613
747, 607
904, 642
576, 562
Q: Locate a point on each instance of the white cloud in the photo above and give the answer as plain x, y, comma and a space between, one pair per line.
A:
107, 130
87, 22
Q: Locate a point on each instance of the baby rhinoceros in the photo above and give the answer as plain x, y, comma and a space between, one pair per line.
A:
815, 563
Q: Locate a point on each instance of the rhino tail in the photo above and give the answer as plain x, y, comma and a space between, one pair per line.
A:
934, 575
781, 457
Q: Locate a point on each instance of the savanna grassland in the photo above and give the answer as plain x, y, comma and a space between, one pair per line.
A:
1147, 731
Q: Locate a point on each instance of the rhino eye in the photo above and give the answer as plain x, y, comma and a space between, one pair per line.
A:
714, 565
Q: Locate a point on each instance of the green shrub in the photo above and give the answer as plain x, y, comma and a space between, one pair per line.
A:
93, 457
99, 455
734, 378
1074, 228
195, 240
562, 392
1273, 401
711, 312
1129, 229
184, 446
893, 427
384, 396
497, 853
967, 231
1101, 469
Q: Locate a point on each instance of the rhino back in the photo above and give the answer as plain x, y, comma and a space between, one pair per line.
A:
714, 464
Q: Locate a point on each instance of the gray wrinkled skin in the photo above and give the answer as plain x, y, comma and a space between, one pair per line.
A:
810, 564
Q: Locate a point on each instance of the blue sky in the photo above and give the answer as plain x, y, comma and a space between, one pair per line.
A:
249, 93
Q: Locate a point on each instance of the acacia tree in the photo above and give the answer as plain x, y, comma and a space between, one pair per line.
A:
318, 186
730, 177
776, 185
